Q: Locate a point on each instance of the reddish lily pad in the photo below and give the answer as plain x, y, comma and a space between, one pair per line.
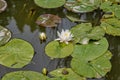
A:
48, 20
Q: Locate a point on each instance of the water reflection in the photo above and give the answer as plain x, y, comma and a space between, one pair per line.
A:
115, 49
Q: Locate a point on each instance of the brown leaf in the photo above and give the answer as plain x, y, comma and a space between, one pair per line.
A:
48, 20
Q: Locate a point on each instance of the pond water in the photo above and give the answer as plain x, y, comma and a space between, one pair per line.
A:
20, 17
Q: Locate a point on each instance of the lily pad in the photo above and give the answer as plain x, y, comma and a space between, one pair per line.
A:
48, 20
81, 6
66, 73
113, 8
90, 51
55, 49
49, 3
5, 35
24, 75
111, 26
16, 53
3, 5
58, 78
95, 68
106, 6
85, 32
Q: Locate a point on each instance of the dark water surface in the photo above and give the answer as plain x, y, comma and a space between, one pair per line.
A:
20, 17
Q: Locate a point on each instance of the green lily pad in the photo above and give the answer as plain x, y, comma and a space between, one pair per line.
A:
90, 51
117, 11
81, 6
84, 32
16, 53
55, 49
58, 78
113, 8
49, 3
111, 26
5, 35
24, 75
66, 73
95, 68
106, 6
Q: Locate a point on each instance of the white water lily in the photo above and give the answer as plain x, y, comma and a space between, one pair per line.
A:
64, 36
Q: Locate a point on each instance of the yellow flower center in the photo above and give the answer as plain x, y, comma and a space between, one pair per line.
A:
66, 34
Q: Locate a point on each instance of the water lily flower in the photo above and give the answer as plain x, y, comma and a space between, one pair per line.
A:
64, 36
42, 36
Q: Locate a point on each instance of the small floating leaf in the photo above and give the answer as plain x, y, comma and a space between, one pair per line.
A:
69, 76
24, 75
55, 49
48, 20
16, 53
49, 3
95, 68
5, 35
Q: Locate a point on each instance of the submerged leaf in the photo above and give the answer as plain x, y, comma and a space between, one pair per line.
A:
74, 17
49, 3
66, 73
5, 35
55, 49
48, 20
24, 75
16, 53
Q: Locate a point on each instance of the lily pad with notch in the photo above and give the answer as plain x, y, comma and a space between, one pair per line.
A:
5, 35
55, 49
24, 75
92, 60
16, 53
48, 20
49, 3
90, 51
66, 73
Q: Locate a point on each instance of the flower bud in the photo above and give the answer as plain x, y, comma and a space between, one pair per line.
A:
44, 71
42, 36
